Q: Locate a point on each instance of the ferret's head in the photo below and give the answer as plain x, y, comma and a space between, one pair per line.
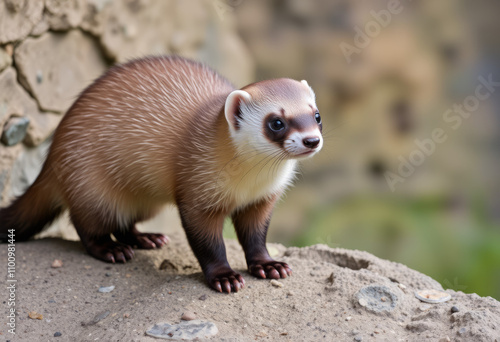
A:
276, 117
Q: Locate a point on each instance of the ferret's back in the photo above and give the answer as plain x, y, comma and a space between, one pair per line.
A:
125, 130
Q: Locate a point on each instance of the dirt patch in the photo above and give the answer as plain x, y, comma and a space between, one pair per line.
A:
319, 302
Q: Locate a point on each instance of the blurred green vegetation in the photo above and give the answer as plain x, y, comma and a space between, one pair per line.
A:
435, 236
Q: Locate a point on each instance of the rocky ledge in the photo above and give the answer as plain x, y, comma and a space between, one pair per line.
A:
333, 295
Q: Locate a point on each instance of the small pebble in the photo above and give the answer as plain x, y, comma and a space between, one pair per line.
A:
56, 263
358, 339
99, 317
384, 299
445, 339
203, 297
276, 283
106, 289
192, 330
348, 318
35, 315
39, 76
126, 315
188, 316
108, 274
454, 309
462, 331
57, 334
401, 286
14, 130
432, 296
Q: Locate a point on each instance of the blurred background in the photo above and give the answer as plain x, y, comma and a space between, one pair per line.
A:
377, 95
407, 91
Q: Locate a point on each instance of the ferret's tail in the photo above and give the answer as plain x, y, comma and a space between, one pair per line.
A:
30, 213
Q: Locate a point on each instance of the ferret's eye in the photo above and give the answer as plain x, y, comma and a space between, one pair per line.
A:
276, 125
317, 117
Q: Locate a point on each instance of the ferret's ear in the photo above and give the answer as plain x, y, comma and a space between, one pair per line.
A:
304, 82
233, 105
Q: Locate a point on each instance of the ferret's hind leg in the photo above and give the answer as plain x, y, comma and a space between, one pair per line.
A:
95, 234
133, 237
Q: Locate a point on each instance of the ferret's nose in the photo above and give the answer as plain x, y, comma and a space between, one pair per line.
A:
311, 142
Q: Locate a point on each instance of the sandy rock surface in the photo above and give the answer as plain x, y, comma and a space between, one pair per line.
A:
55, 82
318, 302
17, 18
18, 103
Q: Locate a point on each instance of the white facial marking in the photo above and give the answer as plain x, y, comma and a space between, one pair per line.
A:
295, 145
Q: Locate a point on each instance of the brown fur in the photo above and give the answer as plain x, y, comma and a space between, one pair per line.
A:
147, 133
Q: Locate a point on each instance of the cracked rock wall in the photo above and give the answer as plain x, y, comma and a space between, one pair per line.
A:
50, 50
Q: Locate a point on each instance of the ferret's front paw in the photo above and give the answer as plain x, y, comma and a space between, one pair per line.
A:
226, 281
111, 251
270, 269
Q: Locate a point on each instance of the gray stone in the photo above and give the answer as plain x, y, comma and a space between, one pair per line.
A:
15, 101
97, 318
15, 130
17, 18
106, 289
5, 59
185, 330
64, 14
56, 81
377, 298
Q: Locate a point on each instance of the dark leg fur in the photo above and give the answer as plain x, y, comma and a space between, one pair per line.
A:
204, 233
96, 237
251, 226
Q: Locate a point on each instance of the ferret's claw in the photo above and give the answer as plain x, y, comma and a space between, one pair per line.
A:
228, 281
270, 269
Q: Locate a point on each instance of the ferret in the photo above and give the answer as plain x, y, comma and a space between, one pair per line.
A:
166, 129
